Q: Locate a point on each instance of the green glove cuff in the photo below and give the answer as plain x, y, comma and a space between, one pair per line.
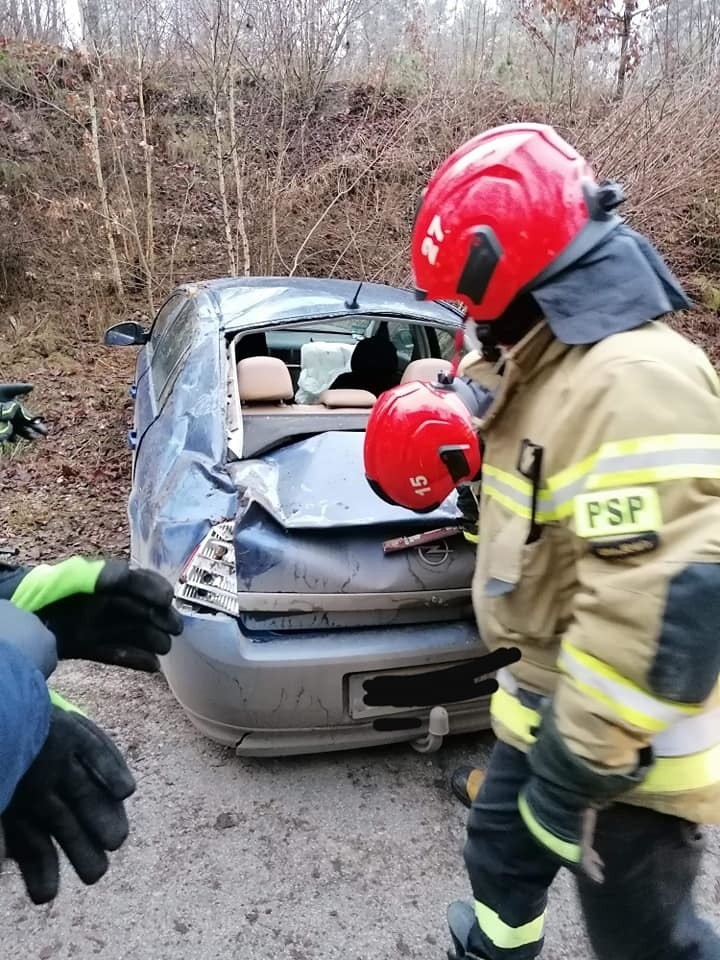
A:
62, 704
47, 583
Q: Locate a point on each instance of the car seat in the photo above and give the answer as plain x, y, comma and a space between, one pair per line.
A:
252, 345
373, 367
426, 369
264, 380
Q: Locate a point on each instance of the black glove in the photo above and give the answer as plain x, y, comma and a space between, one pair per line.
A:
467, 502
15, 421
127, 621
560, 801
73, 794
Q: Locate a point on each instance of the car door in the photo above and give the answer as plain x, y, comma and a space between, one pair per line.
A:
141, 390
180, 485
169, 346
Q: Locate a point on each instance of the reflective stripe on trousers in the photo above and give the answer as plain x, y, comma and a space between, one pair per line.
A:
504, 936
644, 909
687, 753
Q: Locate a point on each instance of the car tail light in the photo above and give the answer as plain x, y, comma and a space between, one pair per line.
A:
208, 578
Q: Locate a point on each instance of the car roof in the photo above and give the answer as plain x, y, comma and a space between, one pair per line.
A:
250, 301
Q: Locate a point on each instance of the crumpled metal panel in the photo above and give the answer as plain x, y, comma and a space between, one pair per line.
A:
320, 579
319, 483
181, 486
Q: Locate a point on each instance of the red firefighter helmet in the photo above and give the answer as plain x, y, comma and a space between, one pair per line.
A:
420, 444
503, 213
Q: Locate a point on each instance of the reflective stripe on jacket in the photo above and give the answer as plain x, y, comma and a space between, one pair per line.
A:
599, 553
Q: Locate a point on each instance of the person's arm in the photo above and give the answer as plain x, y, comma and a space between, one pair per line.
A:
24, 717
63, 782
101, 610
30, 636
71, 795
639, 489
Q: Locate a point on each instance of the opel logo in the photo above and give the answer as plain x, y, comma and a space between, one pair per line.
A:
435, 554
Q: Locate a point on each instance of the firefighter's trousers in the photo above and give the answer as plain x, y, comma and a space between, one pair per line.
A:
643, 911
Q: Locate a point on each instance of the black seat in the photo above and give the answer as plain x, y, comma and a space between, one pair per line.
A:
252, 345
373, 367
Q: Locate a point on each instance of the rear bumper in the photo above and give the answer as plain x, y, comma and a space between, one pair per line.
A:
293, 695
285, 743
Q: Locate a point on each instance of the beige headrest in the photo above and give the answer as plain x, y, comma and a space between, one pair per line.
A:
264, 379
425, 369
347, 398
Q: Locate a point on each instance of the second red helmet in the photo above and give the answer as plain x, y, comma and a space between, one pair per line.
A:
503, 213
420, 444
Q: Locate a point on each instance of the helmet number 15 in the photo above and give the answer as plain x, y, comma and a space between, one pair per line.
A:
421, 485
429, 247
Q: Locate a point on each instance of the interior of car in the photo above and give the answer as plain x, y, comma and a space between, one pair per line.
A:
293, 381
342, 363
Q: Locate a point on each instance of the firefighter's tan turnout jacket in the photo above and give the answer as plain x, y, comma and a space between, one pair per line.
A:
612, 594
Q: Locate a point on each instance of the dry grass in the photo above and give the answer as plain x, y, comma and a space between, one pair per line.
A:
332, 192
327, 193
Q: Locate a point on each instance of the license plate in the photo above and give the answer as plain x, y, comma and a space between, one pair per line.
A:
429, 693
359, 710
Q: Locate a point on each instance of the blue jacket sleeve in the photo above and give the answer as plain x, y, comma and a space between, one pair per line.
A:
24, 717
10, 577
28, 634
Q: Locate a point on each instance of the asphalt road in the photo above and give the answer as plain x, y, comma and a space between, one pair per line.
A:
339, 857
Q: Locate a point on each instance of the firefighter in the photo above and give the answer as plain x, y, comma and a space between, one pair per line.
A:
598, 552
63, 782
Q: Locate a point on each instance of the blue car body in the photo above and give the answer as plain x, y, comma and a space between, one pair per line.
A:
301, 633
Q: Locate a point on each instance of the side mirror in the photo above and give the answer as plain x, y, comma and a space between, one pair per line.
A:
129, 333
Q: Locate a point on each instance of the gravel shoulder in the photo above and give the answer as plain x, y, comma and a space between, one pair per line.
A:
341, 857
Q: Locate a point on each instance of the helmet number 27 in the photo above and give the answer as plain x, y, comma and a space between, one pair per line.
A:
430, 248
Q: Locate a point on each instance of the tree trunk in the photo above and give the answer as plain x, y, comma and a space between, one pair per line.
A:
222, 185
553, 65
241, 231
102, 191
625, 37
148, 155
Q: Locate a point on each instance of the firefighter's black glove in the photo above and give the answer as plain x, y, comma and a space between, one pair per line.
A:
16, 422
560, 801
468, 505
72, 795
103, 610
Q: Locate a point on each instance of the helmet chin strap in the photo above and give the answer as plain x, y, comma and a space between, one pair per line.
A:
480, 337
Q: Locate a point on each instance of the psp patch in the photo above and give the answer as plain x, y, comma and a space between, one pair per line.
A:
619, 523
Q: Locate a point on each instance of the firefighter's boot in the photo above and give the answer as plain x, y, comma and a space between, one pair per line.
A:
461, 920
465, 783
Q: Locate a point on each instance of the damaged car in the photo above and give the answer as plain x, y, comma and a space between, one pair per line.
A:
317, 617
